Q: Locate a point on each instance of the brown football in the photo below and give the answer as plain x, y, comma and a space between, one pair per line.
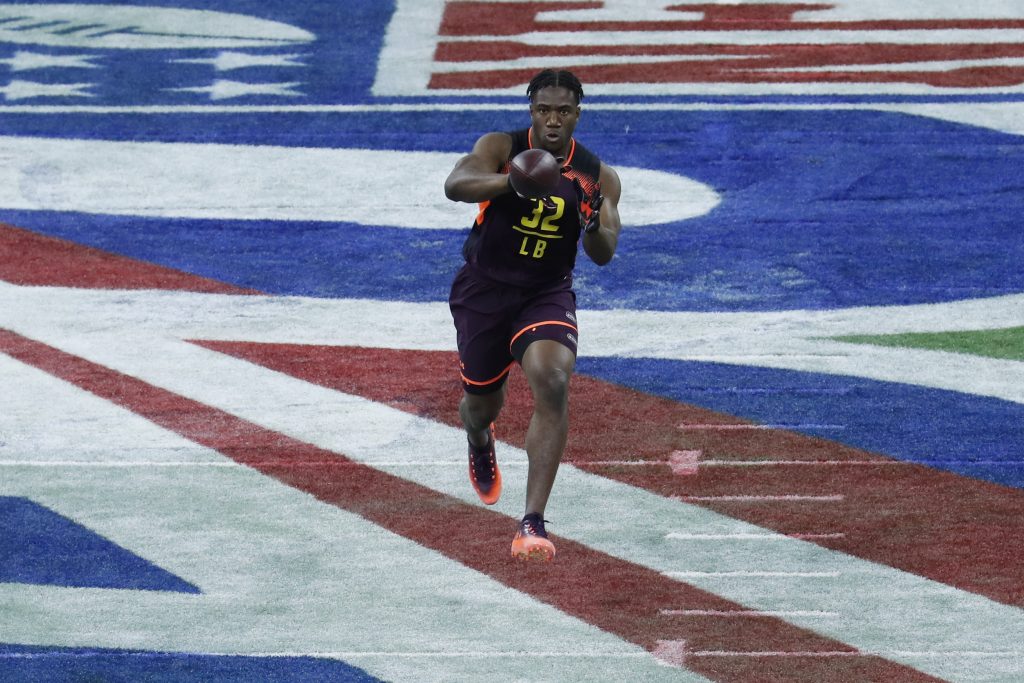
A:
534, 173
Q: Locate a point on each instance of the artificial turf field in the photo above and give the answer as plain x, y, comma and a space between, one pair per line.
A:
229, 439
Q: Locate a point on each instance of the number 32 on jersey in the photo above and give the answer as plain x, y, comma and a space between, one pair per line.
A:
540, 226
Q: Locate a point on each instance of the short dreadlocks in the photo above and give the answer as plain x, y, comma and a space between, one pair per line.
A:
551, 78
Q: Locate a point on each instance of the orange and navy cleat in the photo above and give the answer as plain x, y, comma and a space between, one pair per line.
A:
531, 541
483, 471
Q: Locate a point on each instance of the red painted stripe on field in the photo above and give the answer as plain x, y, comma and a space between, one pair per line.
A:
736, 56
724, 71
613, 594
956, 530
28, 258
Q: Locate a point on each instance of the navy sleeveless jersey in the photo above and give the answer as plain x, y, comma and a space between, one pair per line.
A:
527, 242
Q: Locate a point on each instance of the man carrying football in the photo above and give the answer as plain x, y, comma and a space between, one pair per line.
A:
513, 300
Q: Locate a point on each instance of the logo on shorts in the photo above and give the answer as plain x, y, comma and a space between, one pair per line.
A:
571, 338
570, 316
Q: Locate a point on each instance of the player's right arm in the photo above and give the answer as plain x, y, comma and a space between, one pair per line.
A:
475, 177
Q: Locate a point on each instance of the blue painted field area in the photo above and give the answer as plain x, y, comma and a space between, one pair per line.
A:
819, 210
39, 546
26, 663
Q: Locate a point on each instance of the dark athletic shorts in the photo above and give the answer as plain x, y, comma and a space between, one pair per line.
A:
494, 324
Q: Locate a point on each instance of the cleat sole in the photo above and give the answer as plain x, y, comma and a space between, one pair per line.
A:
534, 552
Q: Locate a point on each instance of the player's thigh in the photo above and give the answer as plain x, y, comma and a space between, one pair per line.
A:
482, 323
550, 316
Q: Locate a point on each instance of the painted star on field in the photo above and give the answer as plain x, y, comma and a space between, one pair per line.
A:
227, 61
23, 90
225, 90
27, 61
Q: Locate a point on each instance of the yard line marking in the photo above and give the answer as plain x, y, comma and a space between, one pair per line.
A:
862, 653
513, 654
852, 463
671, 652
740, 427
618, 463
824, 536
755, 575
519, 654
786, 463
749, 537
685, 462
830, 498
782, 614
509, 463
113, 463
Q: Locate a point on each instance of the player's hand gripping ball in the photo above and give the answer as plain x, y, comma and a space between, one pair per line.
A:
534, 174
589, 206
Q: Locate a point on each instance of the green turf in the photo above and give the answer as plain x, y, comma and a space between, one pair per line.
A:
1005, 343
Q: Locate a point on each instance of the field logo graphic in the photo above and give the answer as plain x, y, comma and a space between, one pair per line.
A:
618, 48
130, 28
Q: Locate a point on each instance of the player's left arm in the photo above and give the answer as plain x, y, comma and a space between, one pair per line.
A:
600, 243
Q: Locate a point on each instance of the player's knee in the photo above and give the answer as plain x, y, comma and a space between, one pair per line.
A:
478, 411
551, 389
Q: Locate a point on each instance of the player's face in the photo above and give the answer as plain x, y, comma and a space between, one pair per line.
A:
555, 112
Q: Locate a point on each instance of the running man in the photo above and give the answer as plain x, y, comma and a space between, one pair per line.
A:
513, 301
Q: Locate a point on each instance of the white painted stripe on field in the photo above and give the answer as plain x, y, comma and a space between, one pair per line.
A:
507, 654
894, 610
112, 464
754, 574
354, 655
40, 433
539, 63
407, 52
728, 614
930, 66
716, 337
750, 498
358, 654
757, 38
853, 463
262, 182
890, 654
817, 463
753, 427
686, 536
512, 465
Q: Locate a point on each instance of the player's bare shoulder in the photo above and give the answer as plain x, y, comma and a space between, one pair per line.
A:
611, 187
494, 148
476, 176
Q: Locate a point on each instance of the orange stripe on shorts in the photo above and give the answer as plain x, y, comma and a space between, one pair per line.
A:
534, 326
